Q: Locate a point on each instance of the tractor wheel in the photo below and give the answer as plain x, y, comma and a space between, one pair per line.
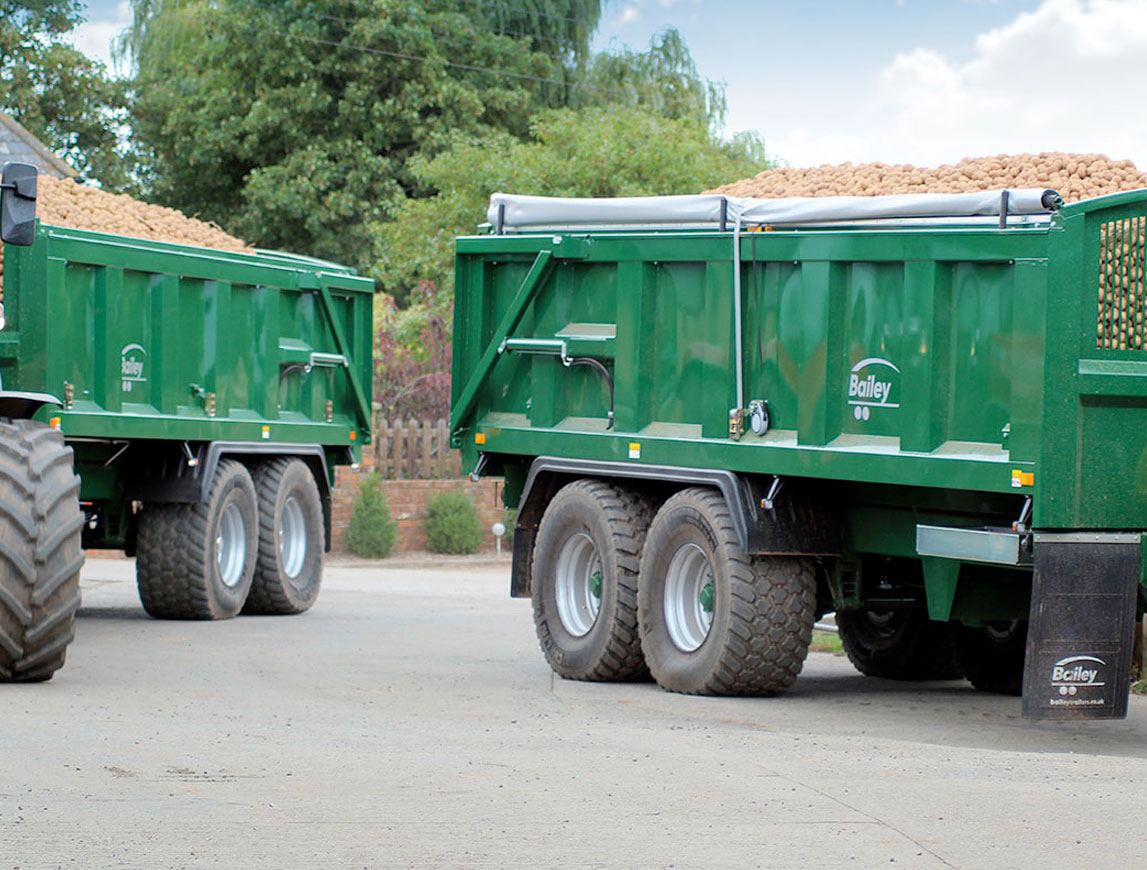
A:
40, 554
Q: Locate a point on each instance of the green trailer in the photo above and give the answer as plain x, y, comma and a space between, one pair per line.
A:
720, 419
183, 405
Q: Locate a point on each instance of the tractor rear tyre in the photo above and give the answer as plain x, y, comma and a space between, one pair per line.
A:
40, 554
289, 569
898, 644
197, 561
586, 557
714, 620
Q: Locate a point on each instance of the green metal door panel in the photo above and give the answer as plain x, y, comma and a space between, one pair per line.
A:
981, 390
691, 380
1112, 447
775, 341
926, 370
634, 359
869, 388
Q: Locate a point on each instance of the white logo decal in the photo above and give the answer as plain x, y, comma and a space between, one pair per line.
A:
132, 366
873, 389
1075, 672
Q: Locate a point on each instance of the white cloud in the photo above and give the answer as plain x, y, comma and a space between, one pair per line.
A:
1064, 77
94, 38
630, 14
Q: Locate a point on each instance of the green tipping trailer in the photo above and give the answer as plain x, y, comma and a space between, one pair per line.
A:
720, 419
184, 405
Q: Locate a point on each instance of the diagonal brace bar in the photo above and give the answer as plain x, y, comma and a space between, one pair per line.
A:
535, 278
361, 402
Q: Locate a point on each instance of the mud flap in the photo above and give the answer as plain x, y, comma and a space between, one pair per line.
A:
1082, 626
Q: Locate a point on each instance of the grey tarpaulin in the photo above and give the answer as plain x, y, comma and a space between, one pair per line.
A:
525, 212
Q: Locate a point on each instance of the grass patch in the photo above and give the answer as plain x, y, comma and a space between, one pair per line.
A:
826, 641
1139, 688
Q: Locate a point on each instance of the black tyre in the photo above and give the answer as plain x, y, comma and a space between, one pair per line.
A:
898, 644
992, 657
40, 554
289, 568
715, 621
197, 561
586, 558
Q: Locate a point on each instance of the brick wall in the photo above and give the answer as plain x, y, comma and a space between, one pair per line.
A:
407, 500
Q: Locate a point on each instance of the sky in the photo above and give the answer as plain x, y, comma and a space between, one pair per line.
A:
926, 82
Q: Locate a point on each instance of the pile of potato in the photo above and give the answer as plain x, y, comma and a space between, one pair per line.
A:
64, 203
1074, 176
1123, 255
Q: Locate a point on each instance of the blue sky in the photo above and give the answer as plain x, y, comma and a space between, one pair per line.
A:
901, 81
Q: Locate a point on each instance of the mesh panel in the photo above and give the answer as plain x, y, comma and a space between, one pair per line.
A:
1122, 284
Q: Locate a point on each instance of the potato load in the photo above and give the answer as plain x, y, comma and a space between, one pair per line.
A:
1074, 176
1123, 259
64, 203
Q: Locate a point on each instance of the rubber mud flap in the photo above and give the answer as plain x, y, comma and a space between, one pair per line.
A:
1082, 626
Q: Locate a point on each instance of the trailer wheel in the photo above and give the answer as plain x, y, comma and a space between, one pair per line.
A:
40, 553
991, 657
898, 644
197, 561
715, 621
586, 558
289, 568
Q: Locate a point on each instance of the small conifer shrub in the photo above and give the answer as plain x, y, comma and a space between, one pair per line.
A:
452, 524
371, 532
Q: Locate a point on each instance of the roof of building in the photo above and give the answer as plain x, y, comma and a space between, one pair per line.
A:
19, 146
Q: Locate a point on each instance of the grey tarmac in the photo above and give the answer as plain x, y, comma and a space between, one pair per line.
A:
409, 720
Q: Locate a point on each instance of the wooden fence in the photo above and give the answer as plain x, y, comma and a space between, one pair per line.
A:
414, 450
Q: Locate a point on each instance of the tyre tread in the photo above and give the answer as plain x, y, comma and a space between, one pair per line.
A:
40, 551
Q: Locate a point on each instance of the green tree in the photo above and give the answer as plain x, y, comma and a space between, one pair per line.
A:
663, 80
292, 122
600, 151
63, 97
371, 533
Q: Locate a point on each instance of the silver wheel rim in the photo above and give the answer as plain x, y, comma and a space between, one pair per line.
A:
292, 537
578, 584
231, 545
689, 598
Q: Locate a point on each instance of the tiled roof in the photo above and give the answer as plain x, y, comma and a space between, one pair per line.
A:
20, 146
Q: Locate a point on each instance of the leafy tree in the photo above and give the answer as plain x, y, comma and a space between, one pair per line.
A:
292, 122
63, 97
591, 152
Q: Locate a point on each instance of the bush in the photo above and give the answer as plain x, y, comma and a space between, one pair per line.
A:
452, 524
371, 532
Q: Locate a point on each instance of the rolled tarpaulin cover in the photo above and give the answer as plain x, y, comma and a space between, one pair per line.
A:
525, 212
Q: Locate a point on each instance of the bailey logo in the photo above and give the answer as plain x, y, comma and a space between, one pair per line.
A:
1071, 674
132, 366
871, 385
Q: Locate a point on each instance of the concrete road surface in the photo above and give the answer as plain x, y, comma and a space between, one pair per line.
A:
409, 720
